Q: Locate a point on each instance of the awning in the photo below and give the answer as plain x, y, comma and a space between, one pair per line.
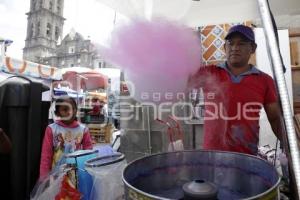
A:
66, 92
85, 80
29, 69
196, 13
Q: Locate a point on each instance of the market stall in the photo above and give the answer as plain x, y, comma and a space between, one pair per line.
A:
213, 174
209, 13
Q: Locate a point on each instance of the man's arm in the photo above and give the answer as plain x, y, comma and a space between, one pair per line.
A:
275, 119
198, 79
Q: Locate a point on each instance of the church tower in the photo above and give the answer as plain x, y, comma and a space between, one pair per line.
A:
44, 29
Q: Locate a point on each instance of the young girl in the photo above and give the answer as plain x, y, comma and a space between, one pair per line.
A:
64, 136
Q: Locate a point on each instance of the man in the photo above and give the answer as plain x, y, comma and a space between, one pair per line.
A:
235, 92
96, 107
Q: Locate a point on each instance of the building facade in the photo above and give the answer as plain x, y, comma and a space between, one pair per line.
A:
75, 51
44, 43
44, 29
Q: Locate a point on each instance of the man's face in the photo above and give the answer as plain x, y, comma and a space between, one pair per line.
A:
238, 50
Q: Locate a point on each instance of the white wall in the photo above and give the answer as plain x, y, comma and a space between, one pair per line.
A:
262, 62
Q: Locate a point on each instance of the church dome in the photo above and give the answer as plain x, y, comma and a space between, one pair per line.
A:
73, 35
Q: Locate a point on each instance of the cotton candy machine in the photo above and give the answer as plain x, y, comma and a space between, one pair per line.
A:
230, 175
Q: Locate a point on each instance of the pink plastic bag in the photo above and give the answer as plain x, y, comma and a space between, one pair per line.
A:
175, 134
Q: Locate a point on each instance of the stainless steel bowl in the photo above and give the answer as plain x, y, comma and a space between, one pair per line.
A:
237, 176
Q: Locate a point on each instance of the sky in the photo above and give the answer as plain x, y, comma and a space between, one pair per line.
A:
88, 17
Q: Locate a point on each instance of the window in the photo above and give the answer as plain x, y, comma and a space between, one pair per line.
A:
38, 28
101, 64
58, 6
48, 30
71, 49
41, 3
72, 65
33, 5
58, 9
31, 31
38, 4
56, 33
50, 5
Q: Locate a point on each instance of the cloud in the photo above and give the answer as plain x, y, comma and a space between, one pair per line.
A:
13, 24
7, 3
88, 17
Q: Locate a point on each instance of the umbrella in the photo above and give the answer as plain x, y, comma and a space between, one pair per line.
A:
85, 80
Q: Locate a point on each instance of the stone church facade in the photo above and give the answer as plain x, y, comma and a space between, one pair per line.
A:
43, 42
75, 51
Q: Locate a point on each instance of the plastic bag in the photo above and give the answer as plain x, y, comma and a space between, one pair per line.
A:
47, 188
174, 132
107, 181
176, 146
68, 190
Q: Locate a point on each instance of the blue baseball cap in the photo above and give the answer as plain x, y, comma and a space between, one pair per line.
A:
242, 29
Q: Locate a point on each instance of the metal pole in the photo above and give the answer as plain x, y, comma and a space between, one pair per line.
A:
276, 63
194, 135
2, 44
149, 130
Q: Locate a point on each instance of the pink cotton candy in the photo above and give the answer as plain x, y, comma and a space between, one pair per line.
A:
157, 56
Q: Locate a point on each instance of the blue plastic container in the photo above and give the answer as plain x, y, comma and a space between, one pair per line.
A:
85, 181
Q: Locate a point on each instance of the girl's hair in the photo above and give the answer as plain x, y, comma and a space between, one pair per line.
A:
61, 100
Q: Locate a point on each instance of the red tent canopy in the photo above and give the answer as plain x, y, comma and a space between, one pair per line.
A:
85, 80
